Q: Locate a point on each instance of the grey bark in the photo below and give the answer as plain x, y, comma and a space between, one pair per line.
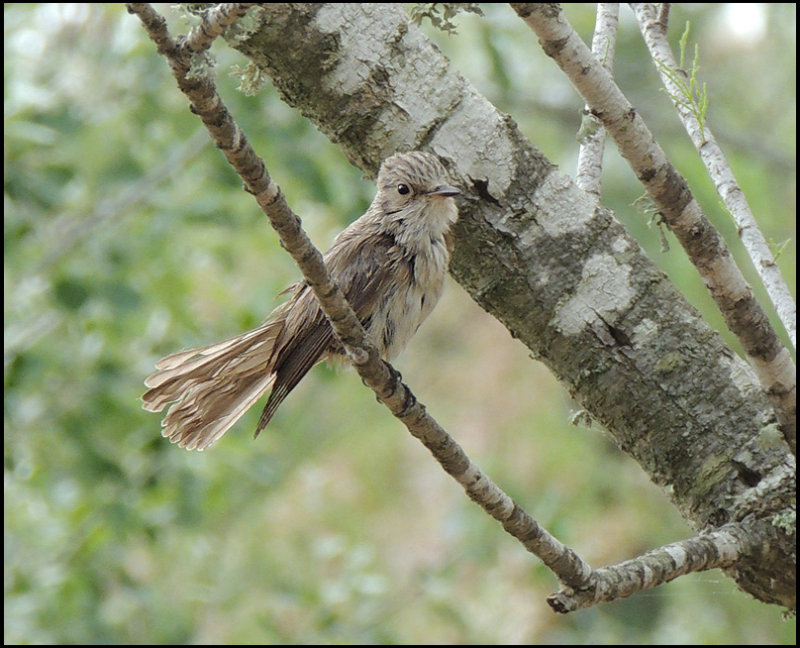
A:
561, 274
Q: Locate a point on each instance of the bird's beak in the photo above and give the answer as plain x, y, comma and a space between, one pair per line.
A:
444, 190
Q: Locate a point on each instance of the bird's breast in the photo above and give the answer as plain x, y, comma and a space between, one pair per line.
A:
407, 307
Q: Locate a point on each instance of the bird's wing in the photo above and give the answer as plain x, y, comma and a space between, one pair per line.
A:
363, 272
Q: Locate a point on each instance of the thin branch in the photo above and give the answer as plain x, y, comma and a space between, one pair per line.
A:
381, 377
655, 36
663, 14
720, 548
590, 154
743, 315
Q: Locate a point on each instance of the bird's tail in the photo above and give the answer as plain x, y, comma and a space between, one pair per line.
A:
211, 387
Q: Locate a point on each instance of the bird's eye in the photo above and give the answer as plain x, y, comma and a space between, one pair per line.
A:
403, 189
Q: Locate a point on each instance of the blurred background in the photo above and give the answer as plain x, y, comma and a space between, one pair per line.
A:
126, 237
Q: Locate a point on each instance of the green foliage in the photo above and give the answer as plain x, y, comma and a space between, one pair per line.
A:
690, 95
778, 248
123, 241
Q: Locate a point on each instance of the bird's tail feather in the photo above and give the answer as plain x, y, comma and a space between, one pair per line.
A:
211, 387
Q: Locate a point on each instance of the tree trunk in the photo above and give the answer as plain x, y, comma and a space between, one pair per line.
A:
561, 274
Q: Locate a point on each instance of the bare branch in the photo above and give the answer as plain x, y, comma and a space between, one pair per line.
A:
681, 212
655, 36
719, 548
590, 155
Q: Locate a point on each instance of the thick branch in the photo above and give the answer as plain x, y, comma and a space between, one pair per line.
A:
705, 247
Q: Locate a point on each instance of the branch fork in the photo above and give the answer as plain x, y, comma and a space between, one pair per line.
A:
581, 585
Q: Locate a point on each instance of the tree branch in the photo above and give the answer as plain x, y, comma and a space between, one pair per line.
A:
719, 548
215, 21
593, 133
680, 211
654, 31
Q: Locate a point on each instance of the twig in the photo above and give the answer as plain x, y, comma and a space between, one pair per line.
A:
719, 548
663, 14
743, 315
655, 36
215, 21
381, 377
590, 154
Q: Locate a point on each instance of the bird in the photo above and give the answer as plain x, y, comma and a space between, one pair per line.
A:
390, 264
